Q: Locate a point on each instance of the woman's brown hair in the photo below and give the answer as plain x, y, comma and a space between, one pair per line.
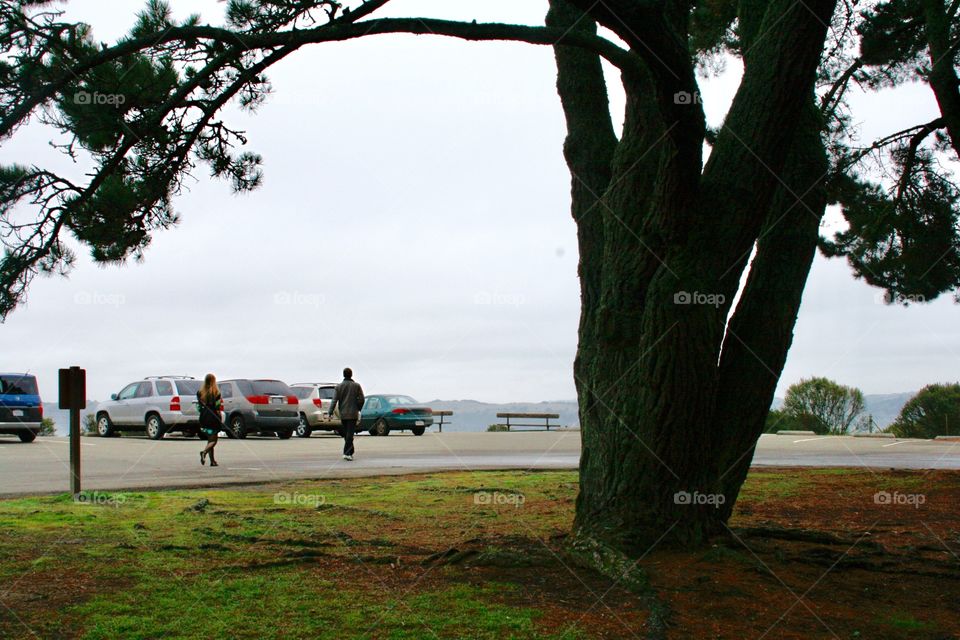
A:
209, 390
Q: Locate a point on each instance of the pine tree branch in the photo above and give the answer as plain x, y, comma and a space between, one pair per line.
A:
333, 32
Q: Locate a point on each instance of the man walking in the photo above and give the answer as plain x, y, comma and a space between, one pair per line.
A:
349, 395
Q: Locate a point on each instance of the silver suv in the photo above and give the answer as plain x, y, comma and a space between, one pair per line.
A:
263, 407
156, 404
315, 399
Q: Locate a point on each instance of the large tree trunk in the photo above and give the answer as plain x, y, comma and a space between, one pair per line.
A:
662, 254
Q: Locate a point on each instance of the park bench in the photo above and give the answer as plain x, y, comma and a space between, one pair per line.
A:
543, 419
442, 413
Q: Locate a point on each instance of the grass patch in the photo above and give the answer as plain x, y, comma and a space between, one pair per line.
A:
334, 559
907, 622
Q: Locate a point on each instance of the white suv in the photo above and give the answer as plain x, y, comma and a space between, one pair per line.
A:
157, 405
315, 399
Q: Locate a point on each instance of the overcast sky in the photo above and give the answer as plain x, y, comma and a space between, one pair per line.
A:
413, 224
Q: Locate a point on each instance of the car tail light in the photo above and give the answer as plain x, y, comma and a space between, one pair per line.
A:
258, 399
293, 400
401, 411
41, 410
318, 402
175, 403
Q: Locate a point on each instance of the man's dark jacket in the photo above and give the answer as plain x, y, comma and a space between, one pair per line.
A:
349, 395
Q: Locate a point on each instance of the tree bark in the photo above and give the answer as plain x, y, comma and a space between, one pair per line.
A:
943, 75
589, 149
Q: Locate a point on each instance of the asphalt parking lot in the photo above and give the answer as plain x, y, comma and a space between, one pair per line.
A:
136, 462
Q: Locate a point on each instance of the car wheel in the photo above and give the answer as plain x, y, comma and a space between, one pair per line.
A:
27, 436
284, 435
105, 426
381, 428
303, 429
238, 426
155, 428
418, 431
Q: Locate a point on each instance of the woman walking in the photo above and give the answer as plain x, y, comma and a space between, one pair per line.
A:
210, 406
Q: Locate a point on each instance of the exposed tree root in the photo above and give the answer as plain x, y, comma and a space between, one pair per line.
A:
624, 570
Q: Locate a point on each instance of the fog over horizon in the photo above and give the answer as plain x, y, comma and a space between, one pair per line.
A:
413, 224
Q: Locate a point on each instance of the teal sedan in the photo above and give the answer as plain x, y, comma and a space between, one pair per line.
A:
384, 413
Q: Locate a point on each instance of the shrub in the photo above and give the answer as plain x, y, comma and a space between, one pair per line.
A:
934, 411
48, 427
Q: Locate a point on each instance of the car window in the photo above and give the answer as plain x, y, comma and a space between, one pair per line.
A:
302, 392
372, 404
270, 388
164, 388
327, 393
188, 387
144, 390
244, 388
18, 385
128, 391
400, 400
226, 390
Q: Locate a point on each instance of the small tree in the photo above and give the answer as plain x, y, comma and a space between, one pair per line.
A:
48, 427
934, 411
824, 406
89, 425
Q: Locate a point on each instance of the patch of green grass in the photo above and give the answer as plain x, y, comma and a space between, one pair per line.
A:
762, 486
298, 559
907, 622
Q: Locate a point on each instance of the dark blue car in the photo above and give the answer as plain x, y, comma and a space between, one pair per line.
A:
20, 408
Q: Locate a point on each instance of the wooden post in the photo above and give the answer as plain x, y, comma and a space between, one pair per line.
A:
73, 396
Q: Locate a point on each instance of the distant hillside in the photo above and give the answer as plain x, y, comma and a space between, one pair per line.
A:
470, 415
884, 407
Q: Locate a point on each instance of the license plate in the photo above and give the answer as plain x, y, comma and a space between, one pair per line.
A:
418, 423
18, 413
276, 400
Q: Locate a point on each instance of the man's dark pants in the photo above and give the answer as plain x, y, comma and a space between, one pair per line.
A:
347, 429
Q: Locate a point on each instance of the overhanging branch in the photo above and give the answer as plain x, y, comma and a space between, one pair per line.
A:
334, 32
